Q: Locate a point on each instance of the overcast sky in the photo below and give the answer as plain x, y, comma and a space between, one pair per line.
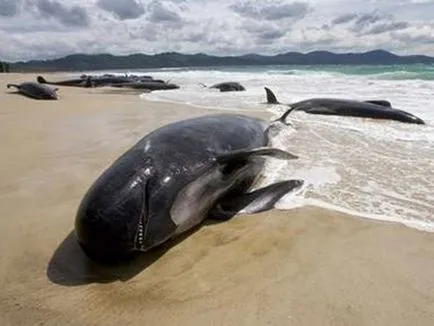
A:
39, 29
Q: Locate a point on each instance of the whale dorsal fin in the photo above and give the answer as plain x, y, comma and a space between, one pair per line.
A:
240, 155
271, 98
384, 103
41, 80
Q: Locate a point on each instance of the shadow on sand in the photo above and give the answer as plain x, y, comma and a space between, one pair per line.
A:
18, 93
69, 266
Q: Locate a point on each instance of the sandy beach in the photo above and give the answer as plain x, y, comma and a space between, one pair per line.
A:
307, 266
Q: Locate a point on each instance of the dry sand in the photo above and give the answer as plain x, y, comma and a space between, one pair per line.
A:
307, 266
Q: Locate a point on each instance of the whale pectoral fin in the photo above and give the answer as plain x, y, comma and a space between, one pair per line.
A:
221, 213
256, 201
242, 155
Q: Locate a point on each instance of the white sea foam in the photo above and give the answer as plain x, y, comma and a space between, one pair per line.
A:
382, 170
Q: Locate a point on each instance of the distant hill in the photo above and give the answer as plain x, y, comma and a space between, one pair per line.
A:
80, 62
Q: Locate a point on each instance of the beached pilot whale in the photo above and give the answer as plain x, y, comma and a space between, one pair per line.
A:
35, 90
375, 109
229, 87
80, 82
172, 180
149, 85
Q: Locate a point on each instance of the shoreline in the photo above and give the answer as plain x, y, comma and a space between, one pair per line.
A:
304, 266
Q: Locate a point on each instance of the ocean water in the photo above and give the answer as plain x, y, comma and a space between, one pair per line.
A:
381, 170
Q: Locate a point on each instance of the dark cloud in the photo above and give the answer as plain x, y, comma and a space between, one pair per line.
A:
204, 32
9, 8
122, 9
365, 20
72, 16
32, 27
160, 13
387, 27
268, 11
149, 32
264, 33
311, 43
343, 19
269, 36
371, 23
423, 38
195, 38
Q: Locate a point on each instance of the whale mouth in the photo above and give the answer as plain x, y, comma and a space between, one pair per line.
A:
140, 233
138, 243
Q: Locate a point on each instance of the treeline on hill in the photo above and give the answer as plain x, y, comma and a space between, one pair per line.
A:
80, 62
4, 66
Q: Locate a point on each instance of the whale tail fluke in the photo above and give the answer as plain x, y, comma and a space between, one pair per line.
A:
271, 98
282, 119
41, 80
11, 85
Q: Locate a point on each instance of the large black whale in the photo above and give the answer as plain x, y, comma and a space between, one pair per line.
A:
173, 179
376, 109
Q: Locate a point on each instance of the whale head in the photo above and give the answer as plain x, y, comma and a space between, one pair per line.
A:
410, 118
417, 120
110, 220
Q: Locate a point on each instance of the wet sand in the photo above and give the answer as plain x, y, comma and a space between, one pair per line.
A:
307, 266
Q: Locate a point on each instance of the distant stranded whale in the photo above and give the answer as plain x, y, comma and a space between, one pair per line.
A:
173, 179
35, 90
115, 81
78, 82
375, 109
149, 85
229, 87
